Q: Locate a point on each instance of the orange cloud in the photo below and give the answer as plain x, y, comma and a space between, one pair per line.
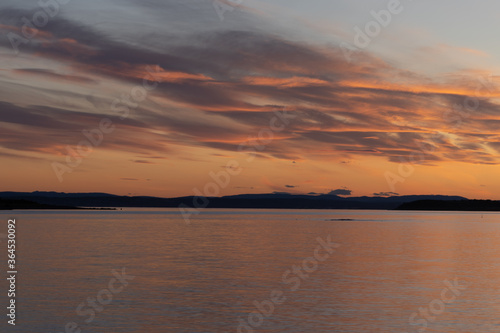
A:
290, 82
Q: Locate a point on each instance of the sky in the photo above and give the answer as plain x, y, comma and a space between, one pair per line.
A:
176, 98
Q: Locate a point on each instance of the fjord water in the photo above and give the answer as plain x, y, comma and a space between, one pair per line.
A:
209, 275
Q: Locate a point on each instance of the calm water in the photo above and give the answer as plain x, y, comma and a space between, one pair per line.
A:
206, 277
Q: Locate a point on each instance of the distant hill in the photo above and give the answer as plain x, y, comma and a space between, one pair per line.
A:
453, 205
267, 200
10, 204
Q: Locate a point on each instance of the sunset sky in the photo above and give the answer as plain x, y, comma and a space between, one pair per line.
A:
421, 85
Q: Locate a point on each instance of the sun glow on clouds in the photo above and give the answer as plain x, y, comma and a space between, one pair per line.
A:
220, 85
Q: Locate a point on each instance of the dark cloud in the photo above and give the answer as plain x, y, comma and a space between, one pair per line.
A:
340, 191
34, 116
51, 130
47, 73
385, 194
142, 162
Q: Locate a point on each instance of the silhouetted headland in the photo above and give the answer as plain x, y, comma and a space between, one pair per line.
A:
12, 204
452, 205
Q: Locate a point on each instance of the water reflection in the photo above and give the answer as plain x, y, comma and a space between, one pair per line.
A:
207, 276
